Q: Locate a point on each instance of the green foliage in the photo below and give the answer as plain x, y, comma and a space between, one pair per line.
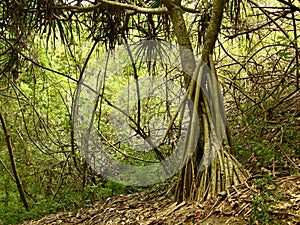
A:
266, 142
264, 199
68, 200
41, 64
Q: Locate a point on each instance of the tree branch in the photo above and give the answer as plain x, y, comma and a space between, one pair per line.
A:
186, 9
293, 7
136, 9
13, 163
213, 29
257, 28
182, 35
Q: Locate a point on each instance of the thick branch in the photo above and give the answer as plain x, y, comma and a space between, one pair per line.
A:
213, 28
136, 9
186, 50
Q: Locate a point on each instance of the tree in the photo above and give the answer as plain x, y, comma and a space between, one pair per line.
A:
25, 74
195, 183
56, 18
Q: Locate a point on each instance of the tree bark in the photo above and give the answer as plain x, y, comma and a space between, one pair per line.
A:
186, 50
194, 183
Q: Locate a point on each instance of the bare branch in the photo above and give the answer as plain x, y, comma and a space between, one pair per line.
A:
293, 7
186, 9
136, 9
13, 163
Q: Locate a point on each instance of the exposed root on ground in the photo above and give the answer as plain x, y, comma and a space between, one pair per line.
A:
234, 206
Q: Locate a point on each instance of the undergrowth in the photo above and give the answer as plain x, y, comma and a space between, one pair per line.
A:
12, 211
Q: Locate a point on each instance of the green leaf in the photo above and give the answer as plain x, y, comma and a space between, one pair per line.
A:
154, 4
284, 54
282, 37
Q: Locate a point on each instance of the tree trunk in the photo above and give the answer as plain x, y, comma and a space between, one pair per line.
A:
211, 169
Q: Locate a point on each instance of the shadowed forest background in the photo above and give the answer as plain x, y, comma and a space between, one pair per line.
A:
250, 47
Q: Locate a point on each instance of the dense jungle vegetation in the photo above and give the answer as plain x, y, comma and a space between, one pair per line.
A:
249, 49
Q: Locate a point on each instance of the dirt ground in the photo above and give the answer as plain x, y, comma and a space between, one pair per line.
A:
235, 206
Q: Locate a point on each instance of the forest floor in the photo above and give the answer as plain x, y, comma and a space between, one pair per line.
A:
268, 197
265, 202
